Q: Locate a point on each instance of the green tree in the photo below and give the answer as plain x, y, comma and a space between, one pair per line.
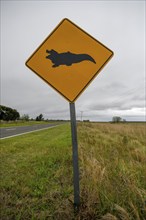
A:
39, 118
25, 117
116, 119
8, 114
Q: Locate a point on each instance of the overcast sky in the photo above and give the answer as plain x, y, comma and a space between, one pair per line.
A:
119, 89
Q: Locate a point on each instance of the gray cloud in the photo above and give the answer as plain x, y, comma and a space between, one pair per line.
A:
125, 99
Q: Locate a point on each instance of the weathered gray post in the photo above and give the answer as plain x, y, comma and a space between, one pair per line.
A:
75, 156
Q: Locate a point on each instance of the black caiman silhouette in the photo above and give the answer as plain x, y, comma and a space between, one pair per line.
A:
67, 58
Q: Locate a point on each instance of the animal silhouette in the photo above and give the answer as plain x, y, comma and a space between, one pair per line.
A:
67, 58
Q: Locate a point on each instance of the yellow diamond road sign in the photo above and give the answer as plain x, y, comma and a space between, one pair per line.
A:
69, 59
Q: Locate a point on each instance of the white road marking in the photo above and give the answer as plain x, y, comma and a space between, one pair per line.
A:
29, 132
10, 129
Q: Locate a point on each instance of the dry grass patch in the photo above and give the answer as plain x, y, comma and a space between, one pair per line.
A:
113, 170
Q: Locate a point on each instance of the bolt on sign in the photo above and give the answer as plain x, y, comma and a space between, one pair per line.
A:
69, 59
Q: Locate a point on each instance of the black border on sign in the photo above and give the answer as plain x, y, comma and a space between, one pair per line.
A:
112, 53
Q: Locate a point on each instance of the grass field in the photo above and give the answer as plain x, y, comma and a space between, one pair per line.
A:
36, 173
22, 123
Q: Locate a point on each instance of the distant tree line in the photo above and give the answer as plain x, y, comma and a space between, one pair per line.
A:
26, 117
8, 114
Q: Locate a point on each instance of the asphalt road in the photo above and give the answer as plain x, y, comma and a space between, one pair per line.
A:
19, 130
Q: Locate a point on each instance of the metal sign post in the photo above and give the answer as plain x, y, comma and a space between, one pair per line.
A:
75, 156
68, 60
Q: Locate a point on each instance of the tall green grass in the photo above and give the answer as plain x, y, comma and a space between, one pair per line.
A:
36, 173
